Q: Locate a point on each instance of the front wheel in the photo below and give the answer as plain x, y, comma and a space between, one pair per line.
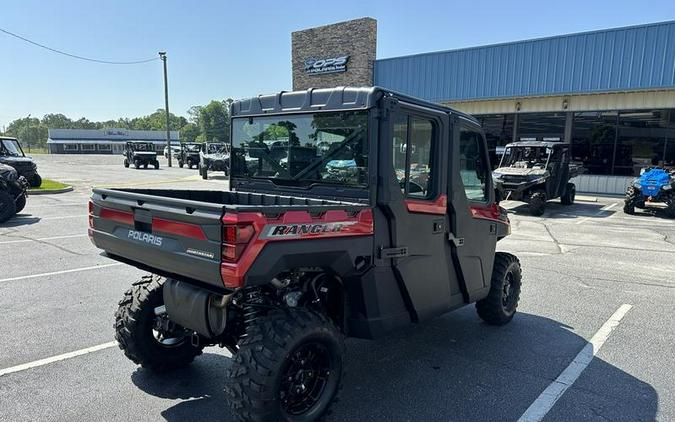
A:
156, 164
20, 203
204, 172
147, 339
632, 199
126, 163
501, 302
35, 181
569, 194
670, 206
288, 367
7, 206
180, 164
137, 164
537, 203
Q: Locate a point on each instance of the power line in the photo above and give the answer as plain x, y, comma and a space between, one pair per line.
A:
74, 55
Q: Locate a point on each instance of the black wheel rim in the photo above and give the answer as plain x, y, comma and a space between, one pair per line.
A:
508, 292
303, 383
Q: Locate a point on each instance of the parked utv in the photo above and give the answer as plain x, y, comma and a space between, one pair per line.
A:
12, 192
189, 154
655, 185
140, 154
301, 254
535, 172
12, 154
214, 157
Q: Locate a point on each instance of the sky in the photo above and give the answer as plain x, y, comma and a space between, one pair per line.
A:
237, 49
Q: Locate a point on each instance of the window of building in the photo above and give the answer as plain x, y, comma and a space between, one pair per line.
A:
472, 166
541, 125
593, 140
104, 147
498, 132
412, 159
641, 140
70, 147
88, 147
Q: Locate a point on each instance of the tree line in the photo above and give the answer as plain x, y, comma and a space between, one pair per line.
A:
210, 122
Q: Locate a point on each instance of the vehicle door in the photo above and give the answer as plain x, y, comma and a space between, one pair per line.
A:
417, 209
560, 169
474, 213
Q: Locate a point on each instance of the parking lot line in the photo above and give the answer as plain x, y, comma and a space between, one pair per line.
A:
57, 358
74, 270
602, 210
544, 403
42, 239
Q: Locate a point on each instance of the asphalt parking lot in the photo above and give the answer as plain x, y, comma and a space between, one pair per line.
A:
581, 263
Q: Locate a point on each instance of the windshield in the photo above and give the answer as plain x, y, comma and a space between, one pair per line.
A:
11, 147
525, 157
216, 149
192, 147
302, 149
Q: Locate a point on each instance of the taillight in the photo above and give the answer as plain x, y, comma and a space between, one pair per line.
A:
235, 240
90, 207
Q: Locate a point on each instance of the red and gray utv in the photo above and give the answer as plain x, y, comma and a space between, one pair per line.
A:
353, 212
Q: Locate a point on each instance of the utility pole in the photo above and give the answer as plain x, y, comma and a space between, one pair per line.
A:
162, 55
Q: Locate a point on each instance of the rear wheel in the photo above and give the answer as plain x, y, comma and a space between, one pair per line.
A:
20, 203
501, 302
35, 181
156, 164
670, 206
537, 203
568, 196
7, 206
145, 166
204, 172
137, 164
180, 164
144, 337
189, 163
288, 367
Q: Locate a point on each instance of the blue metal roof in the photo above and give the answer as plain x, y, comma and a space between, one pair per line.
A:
631, 58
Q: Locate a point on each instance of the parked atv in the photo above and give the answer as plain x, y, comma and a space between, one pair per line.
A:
214, 157
303, 253
655, 185
12, 192
535, 172
12, 154
189, 154
140, 154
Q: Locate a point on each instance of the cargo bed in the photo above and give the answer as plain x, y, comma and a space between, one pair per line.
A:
178, 233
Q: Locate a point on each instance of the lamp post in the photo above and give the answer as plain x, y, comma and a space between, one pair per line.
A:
162, 55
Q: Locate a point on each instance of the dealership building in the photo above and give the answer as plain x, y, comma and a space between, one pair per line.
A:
103, 141
608, 93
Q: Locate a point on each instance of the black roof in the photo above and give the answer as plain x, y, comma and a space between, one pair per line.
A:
339, 98
548, 144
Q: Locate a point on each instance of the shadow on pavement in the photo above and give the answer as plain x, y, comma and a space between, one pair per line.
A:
20, 220
557, 210
453, 368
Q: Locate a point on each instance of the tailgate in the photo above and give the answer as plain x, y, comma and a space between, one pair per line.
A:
169, 236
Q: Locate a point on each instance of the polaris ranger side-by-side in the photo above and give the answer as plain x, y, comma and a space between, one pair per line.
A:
140, 154
303, 252
536, 171
12, 154
189, 154
214, 156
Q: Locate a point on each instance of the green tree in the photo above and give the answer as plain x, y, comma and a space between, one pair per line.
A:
189, 133
214, 121
57, 121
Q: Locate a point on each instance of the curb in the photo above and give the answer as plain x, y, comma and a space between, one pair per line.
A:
49, 191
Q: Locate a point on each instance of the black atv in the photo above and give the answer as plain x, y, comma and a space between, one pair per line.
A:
12, 192
140, 154
536, 171
214, 157
12, 154
189, 154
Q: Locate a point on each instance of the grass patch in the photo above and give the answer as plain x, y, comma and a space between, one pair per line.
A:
49, 185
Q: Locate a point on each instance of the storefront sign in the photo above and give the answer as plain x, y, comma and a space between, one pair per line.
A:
315, 66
